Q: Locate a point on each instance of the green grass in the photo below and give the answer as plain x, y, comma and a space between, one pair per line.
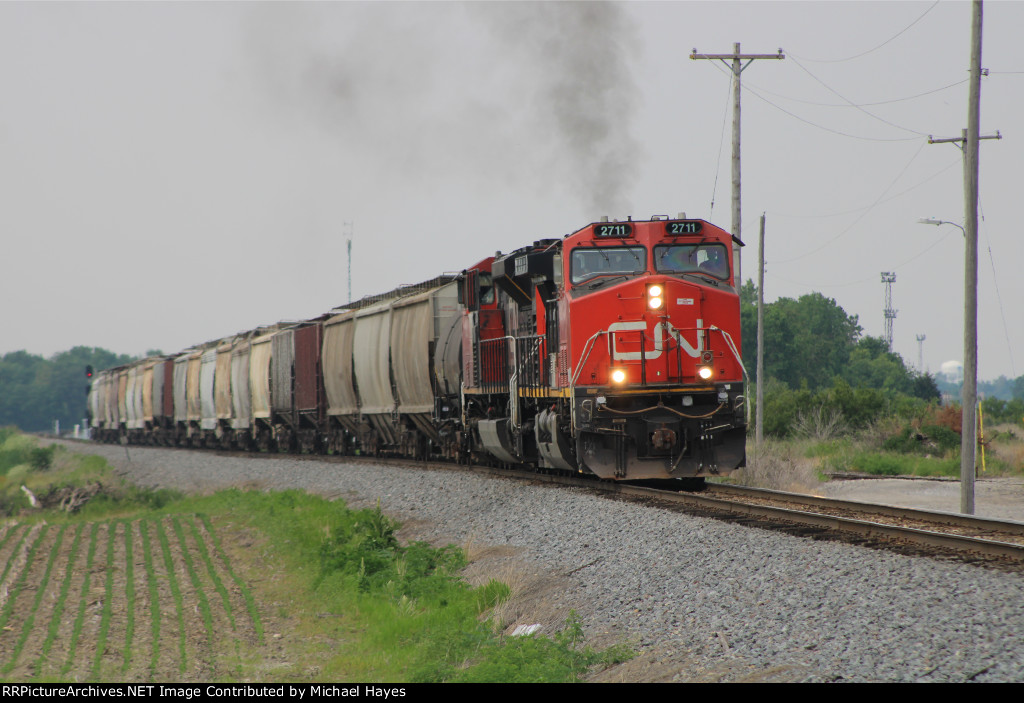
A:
395, 613
892, 464
354, 603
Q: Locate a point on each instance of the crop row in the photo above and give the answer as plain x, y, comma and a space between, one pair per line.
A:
124, 600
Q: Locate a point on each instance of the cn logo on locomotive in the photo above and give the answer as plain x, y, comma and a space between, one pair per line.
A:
660, 331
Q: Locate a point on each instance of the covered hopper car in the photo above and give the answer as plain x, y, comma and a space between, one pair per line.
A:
611, 351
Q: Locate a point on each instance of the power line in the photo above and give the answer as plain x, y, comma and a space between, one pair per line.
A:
735, 60
999, 297
847, 104
865, 279
822, 127
1002, 313
853, 105
721, 142
865, 53
861, 217
930, 178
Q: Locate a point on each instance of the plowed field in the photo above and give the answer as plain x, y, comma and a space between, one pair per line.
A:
122, 600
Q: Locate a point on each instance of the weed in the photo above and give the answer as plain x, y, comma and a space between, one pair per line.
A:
777, 465
929, 440
820, 422
892, 464
41, 458
536, 658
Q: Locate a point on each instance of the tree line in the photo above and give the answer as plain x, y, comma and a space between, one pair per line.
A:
34, 392
820, 368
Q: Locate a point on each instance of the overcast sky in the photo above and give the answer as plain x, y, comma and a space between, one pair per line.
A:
172, 173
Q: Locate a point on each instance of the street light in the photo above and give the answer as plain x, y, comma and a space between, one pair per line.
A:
969, 390
930, 221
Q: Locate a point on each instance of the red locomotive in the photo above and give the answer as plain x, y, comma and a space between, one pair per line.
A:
612, 351
620, 357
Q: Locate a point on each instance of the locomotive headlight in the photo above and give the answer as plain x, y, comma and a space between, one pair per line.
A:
618, 375
705, 372
654, 299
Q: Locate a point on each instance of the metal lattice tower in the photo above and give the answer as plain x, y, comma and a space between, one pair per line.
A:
347, 231
920, 353
888, 278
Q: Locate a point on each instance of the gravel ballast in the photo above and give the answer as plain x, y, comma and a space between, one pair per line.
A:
700, 599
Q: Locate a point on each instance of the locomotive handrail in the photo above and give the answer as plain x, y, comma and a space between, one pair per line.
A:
588, 347
732, 347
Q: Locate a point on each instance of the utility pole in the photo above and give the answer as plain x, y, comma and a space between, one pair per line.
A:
759, 419
888, 278
968, 142
733, 62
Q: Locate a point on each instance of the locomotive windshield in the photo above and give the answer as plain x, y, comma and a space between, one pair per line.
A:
591, 262
711, 259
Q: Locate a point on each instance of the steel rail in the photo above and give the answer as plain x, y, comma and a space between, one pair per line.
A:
934, 516
859, 527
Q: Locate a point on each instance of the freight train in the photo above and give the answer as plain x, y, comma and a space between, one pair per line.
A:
611, 351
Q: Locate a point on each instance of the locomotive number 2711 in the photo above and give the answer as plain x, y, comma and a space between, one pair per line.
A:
618, 229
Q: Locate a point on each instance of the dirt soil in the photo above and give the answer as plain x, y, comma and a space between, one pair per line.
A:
125, 600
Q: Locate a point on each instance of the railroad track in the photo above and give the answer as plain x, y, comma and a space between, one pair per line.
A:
909, 530
925, 532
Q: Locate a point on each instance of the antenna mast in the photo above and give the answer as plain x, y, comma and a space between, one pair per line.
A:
888, 278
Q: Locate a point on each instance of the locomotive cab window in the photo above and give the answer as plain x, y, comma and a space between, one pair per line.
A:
711, 259
590, 262
486, 288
